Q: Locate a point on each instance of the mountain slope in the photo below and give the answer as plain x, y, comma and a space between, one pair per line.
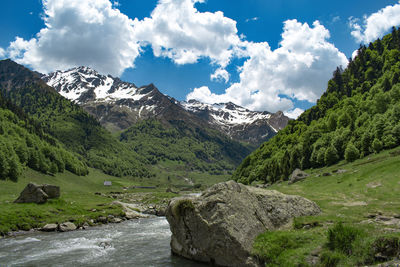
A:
359, 114
237, 122
119, 105
23, 143
67, 122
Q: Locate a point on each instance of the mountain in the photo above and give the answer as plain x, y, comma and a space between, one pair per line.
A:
237, 122
119, 105
170, 136
359, 114
68, 123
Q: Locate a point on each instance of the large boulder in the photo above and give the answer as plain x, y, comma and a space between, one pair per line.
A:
52, 191
297, 175
220, 225
32, 194
38, 193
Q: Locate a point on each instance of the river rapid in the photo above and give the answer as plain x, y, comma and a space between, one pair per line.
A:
143, 242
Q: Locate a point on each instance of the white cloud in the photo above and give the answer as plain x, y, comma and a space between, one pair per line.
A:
375, 25
220, 75
295, 113
252, 19
177, 30
2, 53
203, 94
354, 54
90, 33
335, 19
96, 34
299, 68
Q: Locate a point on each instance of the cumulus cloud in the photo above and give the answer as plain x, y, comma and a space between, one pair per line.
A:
375, 25
90, 33
177, 30
294, 113
95, 33
2, 53
299, 68
220, 75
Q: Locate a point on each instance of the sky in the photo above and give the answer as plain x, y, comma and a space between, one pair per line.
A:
265, 55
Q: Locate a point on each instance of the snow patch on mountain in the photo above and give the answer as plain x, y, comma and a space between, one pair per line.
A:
75, 82
227, 114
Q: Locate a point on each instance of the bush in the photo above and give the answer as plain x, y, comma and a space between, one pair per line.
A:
341, 238
331, 156
377, 145
351, 153
331, 259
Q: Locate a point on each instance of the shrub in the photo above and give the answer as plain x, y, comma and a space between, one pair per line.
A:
341, 238
351, 153
331, 259
377, 145
331, 155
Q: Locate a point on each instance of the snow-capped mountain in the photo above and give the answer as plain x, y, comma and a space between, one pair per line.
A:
118, 105
239, 122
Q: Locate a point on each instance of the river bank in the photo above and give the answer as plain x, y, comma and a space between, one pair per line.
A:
83, 200
142, 242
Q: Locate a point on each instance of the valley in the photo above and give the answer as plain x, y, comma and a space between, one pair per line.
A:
237, 187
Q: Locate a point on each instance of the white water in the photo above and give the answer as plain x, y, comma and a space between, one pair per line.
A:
139, 243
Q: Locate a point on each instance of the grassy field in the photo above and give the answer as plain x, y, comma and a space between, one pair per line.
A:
358, 206
78, 201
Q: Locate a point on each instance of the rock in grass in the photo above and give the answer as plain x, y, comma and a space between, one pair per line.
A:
38, 193
52, 191
66, 227
219, 226
32, 194
297, 175
52, 227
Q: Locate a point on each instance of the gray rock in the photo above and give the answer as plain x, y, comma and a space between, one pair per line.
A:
116, 220
52, 191
219, 226
102, 219
32, 194
66, 227
131, 210
297, 175
52, 227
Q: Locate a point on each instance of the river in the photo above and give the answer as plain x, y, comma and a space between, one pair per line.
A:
143, 242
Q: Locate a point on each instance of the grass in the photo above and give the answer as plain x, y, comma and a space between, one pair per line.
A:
342, 231
79, 203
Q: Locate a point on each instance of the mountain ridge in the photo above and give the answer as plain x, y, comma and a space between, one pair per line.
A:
119, 105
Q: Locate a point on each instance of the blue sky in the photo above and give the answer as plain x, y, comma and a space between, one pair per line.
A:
265, 55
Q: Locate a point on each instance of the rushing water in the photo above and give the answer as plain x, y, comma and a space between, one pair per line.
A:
143, 242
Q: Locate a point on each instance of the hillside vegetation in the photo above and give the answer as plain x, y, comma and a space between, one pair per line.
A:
198, 149
359, 222
68, 123
359, 114
24, 143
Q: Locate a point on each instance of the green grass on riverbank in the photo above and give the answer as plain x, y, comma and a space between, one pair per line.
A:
79, 203
365, 197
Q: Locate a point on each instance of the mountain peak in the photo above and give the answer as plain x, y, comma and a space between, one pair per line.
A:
121, 104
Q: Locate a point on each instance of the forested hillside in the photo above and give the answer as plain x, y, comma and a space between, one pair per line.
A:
134, 152
359, 114
198, 148
24, 143
68, 123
